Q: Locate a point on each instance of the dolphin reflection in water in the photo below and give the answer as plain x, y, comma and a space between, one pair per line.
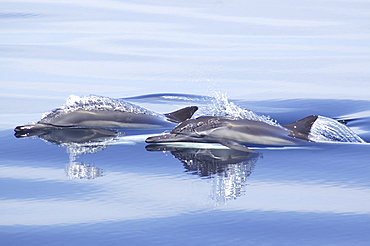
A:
228, 168
78, 141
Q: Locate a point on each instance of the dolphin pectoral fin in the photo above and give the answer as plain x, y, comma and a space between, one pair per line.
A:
181, 114
236, 146
301, 128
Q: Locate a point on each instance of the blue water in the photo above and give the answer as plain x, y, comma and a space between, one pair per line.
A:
280, 59
128, 192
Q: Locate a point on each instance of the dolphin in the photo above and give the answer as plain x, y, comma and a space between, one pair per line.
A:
83, 118
237, 134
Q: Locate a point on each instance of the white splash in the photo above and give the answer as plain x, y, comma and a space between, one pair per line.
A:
221, 106
329, 130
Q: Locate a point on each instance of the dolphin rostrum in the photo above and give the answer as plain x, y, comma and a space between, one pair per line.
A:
82, 118
237, 134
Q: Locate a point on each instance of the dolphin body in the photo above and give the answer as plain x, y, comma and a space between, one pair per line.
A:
109, 119
237, 134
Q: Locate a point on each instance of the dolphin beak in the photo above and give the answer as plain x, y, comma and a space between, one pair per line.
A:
23, 128
157, 139
165, 138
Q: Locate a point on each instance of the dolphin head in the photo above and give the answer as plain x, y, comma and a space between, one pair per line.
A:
188, 131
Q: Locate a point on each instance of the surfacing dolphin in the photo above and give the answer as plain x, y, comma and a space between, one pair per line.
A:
237, 134
104, 118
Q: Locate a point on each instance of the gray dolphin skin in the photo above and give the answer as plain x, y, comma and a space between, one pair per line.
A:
107, 119
237, 134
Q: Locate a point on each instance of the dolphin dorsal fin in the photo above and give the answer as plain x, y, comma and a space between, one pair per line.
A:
181, 114
301, 128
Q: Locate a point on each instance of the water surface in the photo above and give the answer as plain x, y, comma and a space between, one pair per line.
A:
284, 59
